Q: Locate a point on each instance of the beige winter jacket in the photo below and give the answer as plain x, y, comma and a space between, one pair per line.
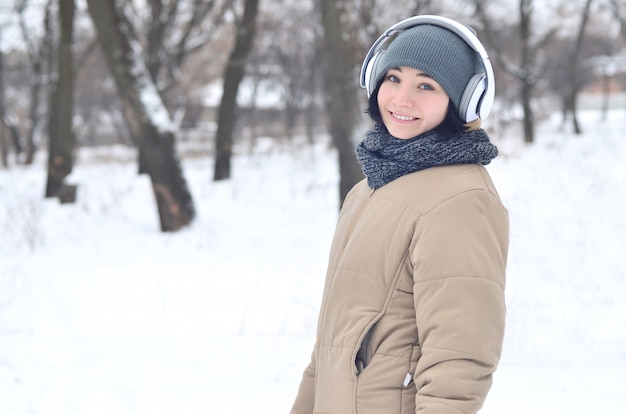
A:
412, 315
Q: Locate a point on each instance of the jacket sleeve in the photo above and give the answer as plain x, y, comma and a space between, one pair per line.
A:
459, 252
306, 392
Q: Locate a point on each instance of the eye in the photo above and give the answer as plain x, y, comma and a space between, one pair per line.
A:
392, 78
426, 86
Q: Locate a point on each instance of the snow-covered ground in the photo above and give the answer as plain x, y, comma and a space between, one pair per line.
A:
102, 313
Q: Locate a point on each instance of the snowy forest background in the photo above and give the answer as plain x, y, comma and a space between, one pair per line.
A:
117, 296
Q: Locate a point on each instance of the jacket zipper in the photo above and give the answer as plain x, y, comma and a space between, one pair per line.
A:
353, 224
356, 219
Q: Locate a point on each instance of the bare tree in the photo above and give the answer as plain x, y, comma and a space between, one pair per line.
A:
368, 18
341, 98
61, 139
38, 50
526, 74
175, 32
8, 128
574, 68
530, 45
619, 12
147, 118
4, 147
233, 75
279, 58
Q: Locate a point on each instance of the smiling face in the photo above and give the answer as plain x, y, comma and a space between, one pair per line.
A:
411, 102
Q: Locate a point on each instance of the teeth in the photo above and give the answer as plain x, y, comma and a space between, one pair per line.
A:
402, 117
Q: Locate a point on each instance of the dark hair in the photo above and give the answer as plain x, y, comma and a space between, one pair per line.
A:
451, 124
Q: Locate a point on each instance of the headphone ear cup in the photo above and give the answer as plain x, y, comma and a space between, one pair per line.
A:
469, 108
370, 72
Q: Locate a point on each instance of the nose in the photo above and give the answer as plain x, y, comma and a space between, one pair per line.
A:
404, 96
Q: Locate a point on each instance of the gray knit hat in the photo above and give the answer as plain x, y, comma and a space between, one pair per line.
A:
436, 51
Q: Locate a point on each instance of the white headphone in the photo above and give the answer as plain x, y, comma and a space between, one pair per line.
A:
477, 99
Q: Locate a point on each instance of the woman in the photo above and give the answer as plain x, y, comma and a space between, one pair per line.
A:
413, 310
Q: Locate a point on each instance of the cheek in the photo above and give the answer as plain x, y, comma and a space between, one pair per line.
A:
387, 92
442, 108
443, 113
382, 97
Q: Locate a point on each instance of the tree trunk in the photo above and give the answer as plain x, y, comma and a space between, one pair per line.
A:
524, 72
37, 51
4, 146
35, 94
233, 75
525, 9
60, 132
606, 95
573, 68
147, 118
341, 99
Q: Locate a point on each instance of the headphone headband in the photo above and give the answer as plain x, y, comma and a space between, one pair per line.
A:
483, 102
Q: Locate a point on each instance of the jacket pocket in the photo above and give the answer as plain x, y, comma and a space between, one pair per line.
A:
380, 387
416, 353
364, 354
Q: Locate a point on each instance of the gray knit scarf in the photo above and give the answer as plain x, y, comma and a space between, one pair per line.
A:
384, 157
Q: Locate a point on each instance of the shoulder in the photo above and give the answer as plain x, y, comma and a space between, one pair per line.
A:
426, 189
464, 229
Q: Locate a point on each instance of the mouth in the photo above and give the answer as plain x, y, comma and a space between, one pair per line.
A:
402, 117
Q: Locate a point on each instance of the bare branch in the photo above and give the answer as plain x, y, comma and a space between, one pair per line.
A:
617, 13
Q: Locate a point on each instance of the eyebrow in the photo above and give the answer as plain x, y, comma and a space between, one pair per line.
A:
422, 74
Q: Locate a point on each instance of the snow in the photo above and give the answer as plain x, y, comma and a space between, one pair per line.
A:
101, 313
261, 95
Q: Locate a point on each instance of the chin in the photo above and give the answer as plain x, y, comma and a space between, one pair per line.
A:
405, 134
